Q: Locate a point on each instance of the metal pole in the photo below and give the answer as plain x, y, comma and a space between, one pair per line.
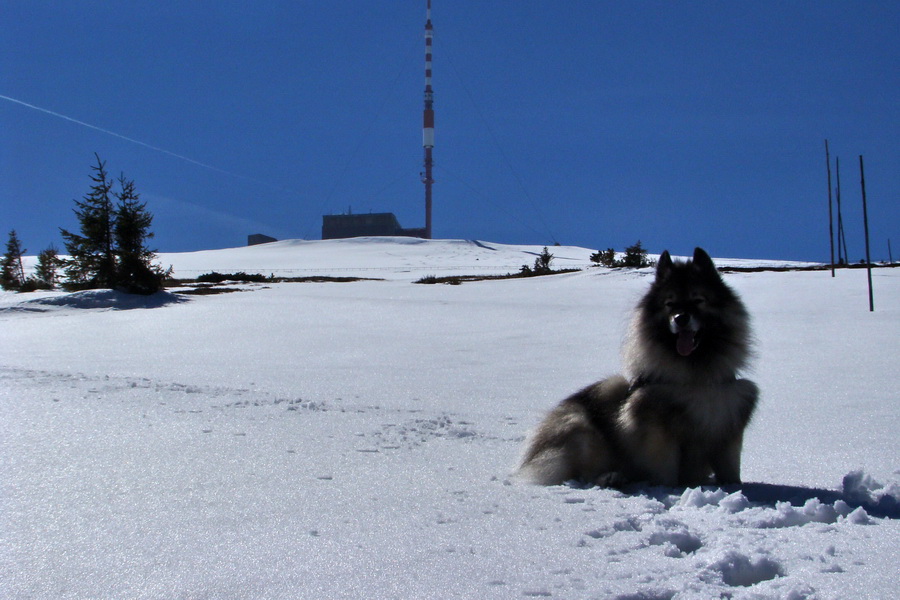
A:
841, 237
862, 180
830, 217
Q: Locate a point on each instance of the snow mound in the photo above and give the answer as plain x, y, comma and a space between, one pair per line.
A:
813, 511
862, 488
860, 495
738, 569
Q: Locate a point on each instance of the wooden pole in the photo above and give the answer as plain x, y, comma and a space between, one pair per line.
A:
862, 180
830, 216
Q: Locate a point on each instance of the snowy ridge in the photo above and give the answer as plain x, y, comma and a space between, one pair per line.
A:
356, 440
400, 258
387, 257
383, 257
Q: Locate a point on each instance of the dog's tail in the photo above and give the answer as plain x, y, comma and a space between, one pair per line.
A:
571, 443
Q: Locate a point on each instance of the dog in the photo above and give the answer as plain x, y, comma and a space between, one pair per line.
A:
677, 416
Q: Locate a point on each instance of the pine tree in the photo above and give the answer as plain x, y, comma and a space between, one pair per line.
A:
607, 257
636, 256
541, 265
47, 265
542, 262
93, 262
13, 274
136, 273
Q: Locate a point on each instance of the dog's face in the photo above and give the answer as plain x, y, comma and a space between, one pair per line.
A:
686, 304
684, 316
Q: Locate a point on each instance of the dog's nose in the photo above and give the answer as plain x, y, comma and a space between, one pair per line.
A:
682, 319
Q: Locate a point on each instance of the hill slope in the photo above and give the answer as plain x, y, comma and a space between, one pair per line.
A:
355, 440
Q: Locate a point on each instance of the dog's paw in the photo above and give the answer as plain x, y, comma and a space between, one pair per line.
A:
612, 480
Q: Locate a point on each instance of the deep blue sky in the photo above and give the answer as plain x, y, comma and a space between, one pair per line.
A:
585, 122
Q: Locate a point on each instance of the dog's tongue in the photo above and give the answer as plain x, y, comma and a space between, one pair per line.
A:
685, 343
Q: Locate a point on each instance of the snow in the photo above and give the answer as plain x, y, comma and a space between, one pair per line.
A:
355, 440
389, 258
376, 257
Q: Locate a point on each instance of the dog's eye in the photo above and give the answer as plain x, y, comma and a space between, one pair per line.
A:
698, 301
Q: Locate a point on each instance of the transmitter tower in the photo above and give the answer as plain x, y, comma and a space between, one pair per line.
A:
428, 122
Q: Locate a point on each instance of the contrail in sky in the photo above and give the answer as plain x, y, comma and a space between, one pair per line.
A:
128, 139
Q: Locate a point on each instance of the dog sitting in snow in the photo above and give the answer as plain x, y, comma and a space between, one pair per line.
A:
677, 416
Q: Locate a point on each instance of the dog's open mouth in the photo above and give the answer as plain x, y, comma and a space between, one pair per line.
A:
686, 341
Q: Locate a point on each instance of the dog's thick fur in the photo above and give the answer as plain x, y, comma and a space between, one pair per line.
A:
678, 415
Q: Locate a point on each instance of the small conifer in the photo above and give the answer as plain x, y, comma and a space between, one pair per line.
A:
48, 264
92, 263
13, 273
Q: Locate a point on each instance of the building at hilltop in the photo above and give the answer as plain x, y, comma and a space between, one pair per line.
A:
258, 238
365, 225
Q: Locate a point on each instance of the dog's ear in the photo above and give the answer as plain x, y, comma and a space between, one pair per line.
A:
663, 265
702, 261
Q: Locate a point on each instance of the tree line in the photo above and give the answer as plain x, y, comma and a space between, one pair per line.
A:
635, 257
109, 251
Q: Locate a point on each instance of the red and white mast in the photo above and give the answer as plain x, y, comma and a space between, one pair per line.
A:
428, 122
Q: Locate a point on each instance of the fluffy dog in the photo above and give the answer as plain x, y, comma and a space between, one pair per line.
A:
677, 416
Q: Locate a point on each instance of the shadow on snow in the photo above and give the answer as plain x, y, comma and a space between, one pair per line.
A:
100, 299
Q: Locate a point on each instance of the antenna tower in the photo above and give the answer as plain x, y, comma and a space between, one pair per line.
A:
428, 122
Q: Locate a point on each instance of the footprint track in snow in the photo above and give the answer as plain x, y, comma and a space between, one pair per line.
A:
415, 432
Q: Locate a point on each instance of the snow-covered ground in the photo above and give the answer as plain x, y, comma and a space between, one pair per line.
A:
386, 258
355, 440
